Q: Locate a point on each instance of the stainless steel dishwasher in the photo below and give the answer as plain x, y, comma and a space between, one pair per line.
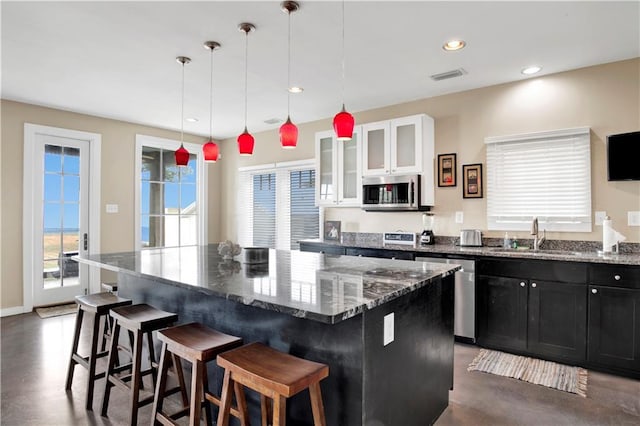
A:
464, 326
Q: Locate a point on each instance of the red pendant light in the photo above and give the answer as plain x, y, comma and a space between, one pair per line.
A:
245, 143
289, 131
288, 134
245, 140
182, 155
210, 149
343, 122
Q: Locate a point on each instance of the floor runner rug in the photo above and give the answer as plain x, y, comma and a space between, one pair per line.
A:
532, 370
54, 311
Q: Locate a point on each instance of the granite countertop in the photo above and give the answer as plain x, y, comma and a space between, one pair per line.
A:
485, 251
308, 285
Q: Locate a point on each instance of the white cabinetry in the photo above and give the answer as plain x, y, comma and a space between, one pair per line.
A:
399, 147
338, 170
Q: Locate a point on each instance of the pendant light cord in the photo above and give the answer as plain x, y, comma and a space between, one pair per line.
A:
211, 101
343, 73
289, 67
246, 67
182, 110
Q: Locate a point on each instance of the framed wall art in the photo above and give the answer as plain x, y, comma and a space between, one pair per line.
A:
472, 181
332, 230
447, 170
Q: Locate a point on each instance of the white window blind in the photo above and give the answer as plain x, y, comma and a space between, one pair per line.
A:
276, 205
545, 175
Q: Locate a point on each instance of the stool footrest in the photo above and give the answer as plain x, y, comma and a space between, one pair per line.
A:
215, 400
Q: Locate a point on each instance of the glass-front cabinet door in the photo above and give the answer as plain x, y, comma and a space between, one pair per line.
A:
375, 148
339, 170
406, 145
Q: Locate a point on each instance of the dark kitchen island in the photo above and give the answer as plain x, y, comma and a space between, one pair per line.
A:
329, 309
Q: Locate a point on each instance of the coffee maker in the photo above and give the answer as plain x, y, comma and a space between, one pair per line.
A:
427, 237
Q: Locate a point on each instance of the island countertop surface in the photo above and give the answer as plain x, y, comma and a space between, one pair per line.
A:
308, 285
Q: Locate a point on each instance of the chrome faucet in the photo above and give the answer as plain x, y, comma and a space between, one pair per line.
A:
537, 242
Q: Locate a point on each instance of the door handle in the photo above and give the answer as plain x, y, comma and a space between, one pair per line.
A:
534, 285
86, 242
594, 290
522, 284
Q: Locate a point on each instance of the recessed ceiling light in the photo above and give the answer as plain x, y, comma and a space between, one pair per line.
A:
454, 45
296, 89
191, 119
531, 70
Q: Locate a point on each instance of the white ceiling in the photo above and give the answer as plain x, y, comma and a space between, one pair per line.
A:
117, 59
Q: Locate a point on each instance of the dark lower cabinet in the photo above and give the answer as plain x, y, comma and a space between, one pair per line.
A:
321, 248
614, 327
557, 319
501, 312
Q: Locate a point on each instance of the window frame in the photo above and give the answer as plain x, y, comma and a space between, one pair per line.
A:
201, 185
579, 223
244, 217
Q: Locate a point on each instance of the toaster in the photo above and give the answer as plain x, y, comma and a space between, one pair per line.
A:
470, 238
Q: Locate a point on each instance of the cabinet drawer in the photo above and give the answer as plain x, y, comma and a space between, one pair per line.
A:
548, 270
321, 248
387, 254
626, 276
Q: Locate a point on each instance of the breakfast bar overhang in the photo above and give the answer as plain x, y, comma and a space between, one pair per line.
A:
329, 309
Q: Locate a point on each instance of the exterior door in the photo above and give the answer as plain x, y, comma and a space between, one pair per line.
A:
58, 214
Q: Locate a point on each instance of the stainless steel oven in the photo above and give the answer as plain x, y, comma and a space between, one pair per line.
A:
464, 326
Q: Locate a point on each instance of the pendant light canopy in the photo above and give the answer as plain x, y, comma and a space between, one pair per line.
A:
343, 122
210, 149
245, 140
182, 155
289, 131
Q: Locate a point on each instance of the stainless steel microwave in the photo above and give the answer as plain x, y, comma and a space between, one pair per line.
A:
391, 193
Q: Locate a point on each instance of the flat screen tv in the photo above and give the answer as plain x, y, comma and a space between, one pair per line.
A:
623, 156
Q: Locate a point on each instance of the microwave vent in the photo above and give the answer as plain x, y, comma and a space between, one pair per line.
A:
449, 74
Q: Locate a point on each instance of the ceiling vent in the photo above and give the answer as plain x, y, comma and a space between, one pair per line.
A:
272, 121
449, 74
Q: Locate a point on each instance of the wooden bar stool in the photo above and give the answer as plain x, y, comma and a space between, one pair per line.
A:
140, 320
98, 306
273, 374
197, 344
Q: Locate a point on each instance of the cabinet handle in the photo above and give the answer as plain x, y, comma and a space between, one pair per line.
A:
393, 258
321, 252
617, 277
522, 284
386, 171
594, 290
359, 255
534, 285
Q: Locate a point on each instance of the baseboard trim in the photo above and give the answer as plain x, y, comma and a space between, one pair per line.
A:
5, 312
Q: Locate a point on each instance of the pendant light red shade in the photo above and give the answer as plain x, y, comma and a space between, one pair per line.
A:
343, 124
288, 134
245, 143
182, 156
210, 151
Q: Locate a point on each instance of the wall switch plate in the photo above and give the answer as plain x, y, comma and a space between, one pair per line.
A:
633, 218
112, 208
459, 217
388, 328
600, 217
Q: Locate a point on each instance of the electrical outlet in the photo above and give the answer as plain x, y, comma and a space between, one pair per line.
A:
388, 329
111, 208
633, 218
600, 217
459, 217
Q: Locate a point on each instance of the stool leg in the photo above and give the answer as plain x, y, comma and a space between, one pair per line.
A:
242, 404
205, 390
136, 377
279, 411
225, 400
111, 359
316, 405
152, 359
180, 373
161, 385
196, 393
92, 361
74, 348
266, 410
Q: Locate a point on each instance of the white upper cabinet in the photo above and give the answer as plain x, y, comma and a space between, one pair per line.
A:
338, 170
399, 147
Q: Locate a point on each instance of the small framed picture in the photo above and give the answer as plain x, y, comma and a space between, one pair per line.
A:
447, 170
472, 181
332, 230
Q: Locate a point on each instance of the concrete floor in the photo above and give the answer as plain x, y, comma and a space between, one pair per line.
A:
34, 357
